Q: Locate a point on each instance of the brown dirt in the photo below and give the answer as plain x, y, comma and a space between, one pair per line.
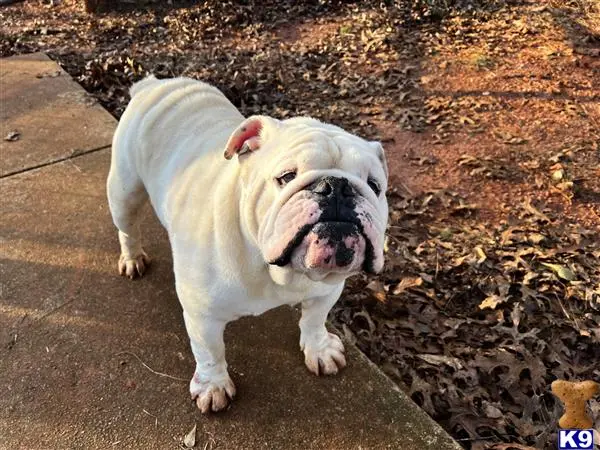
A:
535, 88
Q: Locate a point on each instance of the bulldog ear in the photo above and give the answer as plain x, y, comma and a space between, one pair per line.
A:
246, 137
381, 155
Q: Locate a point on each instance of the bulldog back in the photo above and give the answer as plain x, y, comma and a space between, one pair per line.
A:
170, 126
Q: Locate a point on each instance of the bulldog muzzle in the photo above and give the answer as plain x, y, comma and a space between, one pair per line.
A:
337, 240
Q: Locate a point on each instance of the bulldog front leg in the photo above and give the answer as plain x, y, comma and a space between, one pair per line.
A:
323, 351
211, 385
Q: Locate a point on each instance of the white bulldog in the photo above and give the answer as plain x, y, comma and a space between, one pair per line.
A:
300, 209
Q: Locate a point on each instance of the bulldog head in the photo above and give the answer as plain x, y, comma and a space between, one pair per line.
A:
313, 196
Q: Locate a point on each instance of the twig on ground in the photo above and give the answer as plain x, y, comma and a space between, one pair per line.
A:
75, 165
394, 238
155, 372
152, 415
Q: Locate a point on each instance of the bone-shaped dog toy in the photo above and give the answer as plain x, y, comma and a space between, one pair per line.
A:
574, 396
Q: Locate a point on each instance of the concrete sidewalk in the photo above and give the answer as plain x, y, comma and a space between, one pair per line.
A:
92, 360
54, 117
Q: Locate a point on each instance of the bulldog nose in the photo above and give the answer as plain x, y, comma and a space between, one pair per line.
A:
333, 187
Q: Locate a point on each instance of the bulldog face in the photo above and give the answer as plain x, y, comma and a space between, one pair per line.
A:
314, 196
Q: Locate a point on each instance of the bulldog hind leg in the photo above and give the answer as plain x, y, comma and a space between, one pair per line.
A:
126, 199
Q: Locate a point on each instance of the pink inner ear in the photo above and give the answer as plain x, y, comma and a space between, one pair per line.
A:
246, 134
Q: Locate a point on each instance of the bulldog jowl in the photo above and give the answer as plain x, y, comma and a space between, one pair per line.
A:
335, 238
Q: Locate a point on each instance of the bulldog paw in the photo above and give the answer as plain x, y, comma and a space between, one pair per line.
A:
324, 356
210, 395
132, 267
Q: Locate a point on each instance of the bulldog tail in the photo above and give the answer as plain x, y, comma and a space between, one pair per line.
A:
147, 82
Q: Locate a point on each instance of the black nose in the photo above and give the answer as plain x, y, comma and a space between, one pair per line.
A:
330, 187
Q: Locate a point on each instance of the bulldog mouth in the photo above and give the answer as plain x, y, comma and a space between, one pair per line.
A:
337, 234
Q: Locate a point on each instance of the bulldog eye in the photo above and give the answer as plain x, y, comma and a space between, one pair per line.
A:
374, 185
286, 178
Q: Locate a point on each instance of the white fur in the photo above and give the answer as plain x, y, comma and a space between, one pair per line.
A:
168, 148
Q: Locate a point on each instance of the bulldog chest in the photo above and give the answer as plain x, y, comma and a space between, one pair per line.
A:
256, 298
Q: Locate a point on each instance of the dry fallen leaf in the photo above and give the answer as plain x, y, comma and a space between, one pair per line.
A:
480, 254
492, 301
12, 136
441, 359
407, 283
377, 289
190, 438
558, 175
563, 272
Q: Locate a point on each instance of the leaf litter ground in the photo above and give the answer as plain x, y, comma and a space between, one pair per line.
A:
490, 115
